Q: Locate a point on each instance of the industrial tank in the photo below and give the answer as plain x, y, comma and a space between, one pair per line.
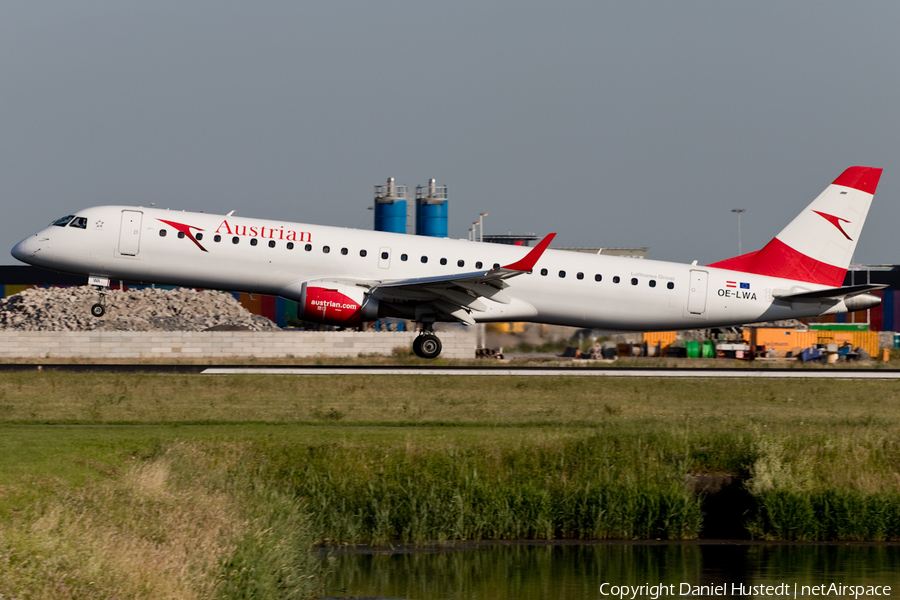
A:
390, 207
431, 209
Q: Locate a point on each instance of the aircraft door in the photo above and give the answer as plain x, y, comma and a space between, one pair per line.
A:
130, 233
384, 258
697, 296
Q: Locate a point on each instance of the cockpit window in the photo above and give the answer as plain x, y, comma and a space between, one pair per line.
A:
64, 221
79, 222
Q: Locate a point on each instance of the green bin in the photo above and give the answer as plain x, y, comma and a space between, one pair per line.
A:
693, 349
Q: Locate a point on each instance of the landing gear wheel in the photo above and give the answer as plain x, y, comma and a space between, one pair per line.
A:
427, 346
97, 310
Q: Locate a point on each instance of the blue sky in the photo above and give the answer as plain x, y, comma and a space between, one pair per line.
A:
611, 123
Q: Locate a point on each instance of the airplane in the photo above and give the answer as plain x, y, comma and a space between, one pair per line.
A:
345, 277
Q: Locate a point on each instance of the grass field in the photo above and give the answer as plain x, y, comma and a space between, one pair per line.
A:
152, 486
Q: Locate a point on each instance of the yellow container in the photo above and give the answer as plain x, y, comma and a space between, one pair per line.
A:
784, 340
10, 290
517, 327
663, 338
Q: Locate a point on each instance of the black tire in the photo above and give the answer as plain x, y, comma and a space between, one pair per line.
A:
417, 346
97, 310
429, 346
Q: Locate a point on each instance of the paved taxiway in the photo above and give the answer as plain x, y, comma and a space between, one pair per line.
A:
568, 372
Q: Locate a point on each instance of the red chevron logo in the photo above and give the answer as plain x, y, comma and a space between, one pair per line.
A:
836, 221
186, 230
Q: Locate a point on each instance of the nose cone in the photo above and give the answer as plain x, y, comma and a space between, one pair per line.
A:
26, 249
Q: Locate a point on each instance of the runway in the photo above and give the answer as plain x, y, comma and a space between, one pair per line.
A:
498, 371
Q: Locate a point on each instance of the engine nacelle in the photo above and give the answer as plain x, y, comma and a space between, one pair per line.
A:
336, 303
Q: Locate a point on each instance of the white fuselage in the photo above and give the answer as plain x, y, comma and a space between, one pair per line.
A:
564, 288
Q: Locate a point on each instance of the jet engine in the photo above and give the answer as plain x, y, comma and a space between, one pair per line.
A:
336, 303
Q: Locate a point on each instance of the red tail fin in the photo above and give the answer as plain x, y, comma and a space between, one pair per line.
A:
818, 244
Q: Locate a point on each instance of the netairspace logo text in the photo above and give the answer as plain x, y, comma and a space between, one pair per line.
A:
784, 590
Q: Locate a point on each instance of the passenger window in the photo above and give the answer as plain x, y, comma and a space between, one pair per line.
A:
217, 238
652, 283
544, 272
253, 241
198, 237
308, 247
64, 221
162, 233
180, 235
344, 251
562, 274
670, 285
478, 265
403, 257
362, 252
271, 243
384, 255
460, 263
580, 276
326, 249
424, 259
443, 261
496, 265
235, 240
634, 281
616, 279
290, 245
79, 223
598, 277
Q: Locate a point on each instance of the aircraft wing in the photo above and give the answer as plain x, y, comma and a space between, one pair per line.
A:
458, 294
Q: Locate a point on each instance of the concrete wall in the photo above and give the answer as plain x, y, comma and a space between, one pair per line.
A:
219, 344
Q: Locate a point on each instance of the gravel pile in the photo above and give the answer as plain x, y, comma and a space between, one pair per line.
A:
183, 309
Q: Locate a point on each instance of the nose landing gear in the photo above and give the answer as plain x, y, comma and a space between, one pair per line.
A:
427, 345
97, 309
101, 283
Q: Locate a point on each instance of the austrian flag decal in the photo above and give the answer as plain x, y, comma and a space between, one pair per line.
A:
739, 290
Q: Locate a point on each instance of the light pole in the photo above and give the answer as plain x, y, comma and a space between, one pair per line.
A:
481, 217
739, 211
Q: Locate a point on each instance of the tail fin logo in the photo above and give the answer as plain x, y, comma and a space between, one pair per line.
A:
836, 221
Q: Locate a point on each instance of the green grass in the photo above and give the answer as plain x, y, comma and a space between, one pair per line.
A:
99, 467
55, 397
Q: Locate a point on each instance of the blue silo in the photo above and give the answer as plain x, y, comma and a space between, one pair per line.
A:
431, 210
390, 207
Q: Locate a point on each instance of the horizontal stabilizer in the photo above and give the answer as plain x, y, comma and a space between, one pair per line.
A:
837, 293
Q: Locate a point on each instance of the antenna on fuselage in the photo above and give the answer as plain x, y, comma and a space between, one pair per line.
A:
229, 214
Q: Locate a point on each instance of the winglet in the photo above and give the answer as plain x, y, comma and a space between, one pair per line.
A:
527, 263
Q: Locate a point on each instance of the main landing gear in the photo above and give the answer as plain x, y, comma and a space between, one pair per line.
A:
427, 345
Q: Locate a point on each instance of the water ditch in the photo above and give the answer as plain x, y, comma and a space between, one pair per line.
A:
579, 570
